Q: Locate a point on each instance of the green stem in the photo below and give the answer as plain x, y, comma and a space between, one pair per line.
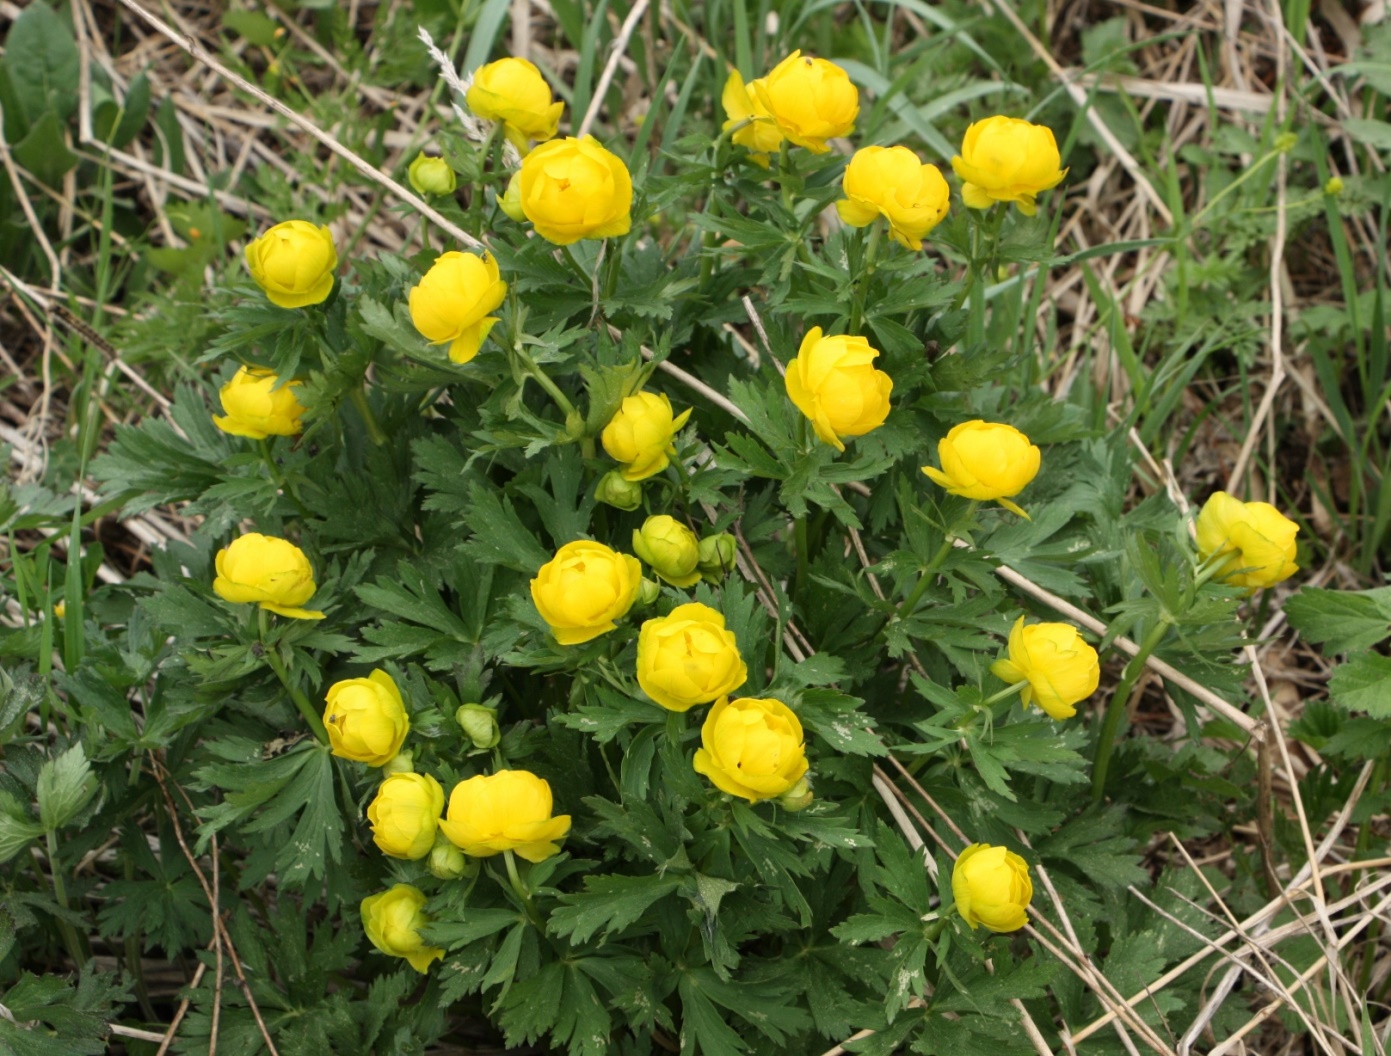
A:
786, 170
613, 267
925, 579
358, 396
75, 943
676, 727
800, 534
577, 268
857, 310
514, 878
544, 380
1008, 691
277, 665
279, 478
1115, 708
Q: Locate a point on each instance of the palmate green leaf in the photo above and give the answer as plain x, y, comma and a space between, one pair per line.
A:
17, 828
73, 1019
835, 718
1344, 621
559, 1000
64, 788
477, 924
766, 1007
609, 902
499, 536
1363, 684
605, 714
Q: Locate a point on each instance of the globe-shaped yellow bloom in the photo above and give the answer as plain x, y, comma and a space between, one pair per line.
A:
1006, 159
1060, 667
451, 302
405, 815
584, 589
266, 571
986, 461
689, 658
833, 382
294, 262
761, 135
670, 548
256, 405
514, 92
640, 435
507, 811
992, 888
573, 189
812, 100
752, 748
891, 182
1258, 539
393, 919
366, 719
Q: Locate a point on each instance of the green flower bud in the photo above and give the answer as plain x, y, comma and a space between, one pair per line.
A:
1286, 142
614, 490
431, 175
446, 861
400, 763
480, 725
796, 798
717, 553
1334, 185
649, 590
670, 548
511, 202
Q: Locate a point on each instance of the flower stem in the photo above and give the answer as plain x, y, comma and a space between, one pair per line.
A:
925, 579
278, 477
269, 651
1115, 708
514, 878
543, 379
1008, 691
75, 943
358, 396
857, 310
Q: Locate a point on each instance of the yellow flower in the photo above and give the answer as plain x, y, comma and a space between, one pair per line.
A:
986, 461
761, 135
430, 175
812, 100
451, 303
270, 572
670, 548
509, 811
1060, 667
405, 814
1005, 159
583, 589
688, 658
573, 189
640, 434
511, 201
393, 919
514, 92
991, 886
256, 405
752, 748
833, 382
1258, 538
366, 719
293, 262
891, 182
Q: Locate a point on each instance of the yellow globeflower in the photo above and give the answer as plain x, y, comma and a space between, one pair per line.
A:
514, 92
670, 548
573, 189
640, 435
266, 571
761, 135
1060, 667
986, 461
585, 588
752, 748
393, 919
1258, 539
293, 262
689, 658
891, 182
451, 303
256, 405
991, 886
405, 814
812, 100
366, 719
833, 382
508, 811
1005, 159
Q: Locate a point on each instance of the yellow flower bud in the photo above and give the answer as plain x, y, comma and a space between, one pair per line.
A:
256, 405
833, 382
447, 862
761, 135
649, 590
640, 435
991, 886
1256, 537
717, 557
798, 797
891, 182
752, 748
511, 202
585, 588
1334, 186
670, 548
1006, 159
294, 262
266, 571
508, 811
400, 763
430, 175
1060, 668
573, 189
812, 100
366, 719
393, 919
986, 461
405, 814
1286, 142
479, 725
451, 303
617, 491
688, 658
60, 610
513, 92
